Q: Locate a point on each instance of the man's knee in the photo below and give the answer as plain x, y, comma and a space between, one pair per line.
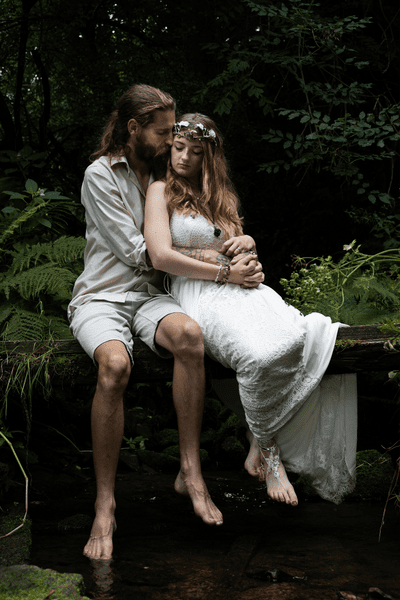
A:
189, 340
182, 336
114, 366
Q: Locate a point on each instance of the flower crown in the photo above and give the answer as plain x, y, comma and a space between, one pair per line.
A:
194, 131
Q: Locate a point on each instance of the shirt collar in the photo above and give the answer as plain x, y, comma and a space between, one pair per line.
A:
114, 160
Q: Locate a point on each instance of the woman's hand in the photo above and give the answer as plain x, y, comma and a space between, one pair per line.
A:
238, 244
246, 272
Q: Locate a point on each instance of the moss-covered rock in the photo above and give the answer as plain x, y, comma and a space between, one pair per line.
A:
75, 523
15, 548
28, 582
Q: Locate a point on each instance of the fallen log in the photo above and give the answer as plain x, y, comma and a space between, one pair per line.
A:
360, 348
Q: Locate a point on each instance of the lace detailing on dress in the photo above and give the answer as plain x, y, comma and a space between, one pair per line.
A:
194, 232
280, 358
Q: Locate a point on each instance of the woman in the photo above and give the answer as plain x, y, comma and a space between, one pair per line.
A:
279, 355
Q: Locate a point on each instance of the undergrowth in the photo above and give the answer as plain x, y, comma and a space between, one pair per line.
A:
359, 289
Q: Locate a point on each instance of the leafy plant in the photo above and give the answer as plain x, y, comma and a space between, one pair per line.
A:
38, 270
359, 289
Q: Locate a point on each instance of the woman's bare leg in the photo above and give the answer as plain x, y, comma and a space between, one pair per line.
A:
253, 461
273, 473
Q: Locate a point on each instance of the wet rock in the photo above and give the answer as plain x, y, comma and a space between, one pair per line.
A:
130, 460
75, 523
28, 582
157, 460
275, 575
375, 593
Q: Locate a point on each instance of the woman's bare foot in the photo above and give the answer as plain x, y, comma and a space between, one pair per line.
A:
196, 489
278, 485
253, 461
100, 543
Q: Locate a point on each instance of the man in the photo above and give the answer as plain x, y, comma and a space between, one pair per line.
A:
118, 295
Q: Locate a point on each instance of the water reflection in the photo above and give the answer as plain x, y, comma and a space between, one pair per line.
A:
103, 578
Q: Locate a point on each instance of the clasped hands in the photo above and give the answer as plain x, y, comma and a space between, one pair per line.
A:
246, 270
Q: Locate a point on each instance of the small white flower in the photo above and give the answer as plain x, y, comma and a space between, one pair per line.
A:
183, 124
348, 247
200, 126
212, 134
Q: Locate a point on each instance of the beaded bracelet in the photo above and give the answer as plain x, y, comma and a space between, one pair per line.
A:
218, 274
225, 276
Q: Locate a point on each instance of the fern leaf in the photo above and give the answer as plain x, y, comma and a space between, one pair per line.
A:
47, 279
62, 251
25, 325
23, 216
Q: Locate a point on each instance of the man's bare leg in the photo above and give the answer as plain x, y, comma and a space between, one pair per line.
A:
107, 431
182, 337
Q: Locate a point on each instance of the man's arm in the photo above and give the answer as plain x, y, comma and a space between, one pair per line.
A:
205, 255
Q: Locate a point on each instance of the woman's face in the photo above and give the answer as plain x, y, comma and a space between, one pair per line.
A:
187, 158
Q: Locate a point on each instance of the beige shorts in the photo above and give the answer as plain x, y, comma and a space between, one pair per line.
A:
100, 321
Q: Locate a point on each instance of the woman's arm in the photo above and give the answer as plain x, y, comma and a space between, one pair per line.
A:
165, 258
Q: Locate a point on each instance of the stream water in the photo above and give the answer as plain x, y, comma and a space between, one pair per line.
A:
264, 550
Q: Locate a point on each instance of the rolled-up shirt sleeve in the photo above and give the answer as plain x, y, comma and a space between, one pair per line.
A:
117, 218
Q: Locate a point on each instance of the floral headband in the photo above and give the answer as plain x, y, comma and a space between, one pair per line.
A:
192, 131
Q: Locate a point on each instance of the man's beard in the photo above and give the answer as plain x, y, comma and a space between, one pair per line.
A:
155, 158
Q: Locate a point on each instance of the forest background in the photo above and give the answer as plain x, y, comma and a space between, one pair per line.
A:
306, 94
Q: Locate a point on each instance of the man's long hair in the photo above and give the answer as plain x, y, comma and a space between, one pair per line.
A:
140, 103
218, 201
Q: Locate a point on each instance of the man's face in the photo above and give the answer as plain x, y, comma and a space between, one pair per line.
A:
155, 140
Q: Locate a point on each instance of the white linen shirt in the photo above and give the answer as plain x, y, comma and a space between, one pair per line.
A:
115, 255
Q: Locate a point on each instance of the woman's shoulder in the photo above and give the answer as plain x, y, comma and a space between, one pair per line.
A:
157, 186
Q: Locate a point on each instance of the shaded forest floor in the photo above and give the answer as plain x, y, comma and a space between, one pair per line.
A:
264, 550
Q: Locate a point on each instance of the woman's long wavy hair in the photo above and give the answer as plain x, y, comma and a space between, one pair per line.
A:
218, 201
140, 103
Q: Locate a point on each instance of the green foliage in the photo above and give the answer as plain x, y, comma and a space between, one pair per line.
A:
338, 145
316, 112
359, 289
374, 475
38, 268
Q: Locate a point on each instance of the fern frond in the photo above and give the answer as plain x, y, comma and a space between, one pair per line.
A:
58, 328
23, 216
25, 325
62, 251
47, 279
371, 288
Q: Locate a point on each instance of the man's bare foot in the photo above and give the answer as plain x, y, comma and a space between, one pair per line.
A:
100, 543
273, 473
196, 489
253, 461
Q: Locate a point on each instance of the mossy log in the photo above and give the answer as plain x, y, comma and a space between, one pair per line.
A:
361, 348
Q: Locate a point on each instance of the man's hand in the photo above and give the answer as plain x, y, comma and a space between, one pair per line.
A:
238, 244
246, 266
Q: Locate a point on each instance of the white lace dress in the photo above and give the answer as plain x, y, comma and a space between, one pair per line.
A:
280, 357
